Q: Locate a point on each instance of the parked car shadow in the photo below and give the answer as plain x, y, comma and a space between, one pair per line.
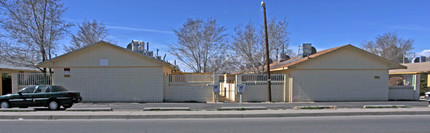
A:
47, 109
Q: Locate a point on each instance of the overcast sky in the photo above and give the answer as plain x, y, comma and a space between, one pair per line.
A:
324, 23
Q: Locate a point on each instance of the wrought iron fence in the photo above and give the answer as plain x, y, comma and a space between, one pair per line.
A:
34, 79
261, 79
190, 80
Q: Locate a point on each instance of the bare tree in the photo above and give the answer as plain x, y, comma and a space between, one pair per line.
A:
33, 28
201, 45
278, 36
89, 33
389, 46
248, 44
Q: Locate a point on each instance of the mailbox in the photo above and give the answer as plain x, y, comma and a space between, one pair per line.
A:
215, 88
241, 88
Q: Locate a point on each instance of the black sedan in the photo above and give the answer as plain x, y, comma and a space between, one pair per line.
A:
51, 96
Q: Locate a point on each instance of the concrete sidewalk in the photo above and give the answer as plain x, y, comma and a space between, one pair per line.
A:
52, 115
273, 106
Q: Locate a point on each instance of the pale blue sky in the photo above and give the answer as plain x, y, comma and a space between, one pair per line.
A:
324, 23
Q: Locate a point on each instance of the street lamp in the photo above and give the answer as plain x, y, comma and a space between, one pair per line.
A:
267, 53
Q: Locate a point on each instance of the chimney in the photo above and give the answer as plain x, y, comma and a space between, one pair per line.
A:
147, 46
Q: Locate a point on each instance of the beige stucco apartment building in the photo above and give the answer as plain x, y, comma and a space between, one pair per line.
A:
104, 72
344, 73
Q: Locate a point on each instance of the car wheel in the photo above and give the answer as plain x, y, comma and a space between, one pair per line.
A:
4, 104
67, 106
54, 105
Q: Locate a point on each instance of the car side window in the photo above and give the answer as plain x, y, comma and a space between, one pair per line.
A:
41, 89
53, 89
48, 89
28, 89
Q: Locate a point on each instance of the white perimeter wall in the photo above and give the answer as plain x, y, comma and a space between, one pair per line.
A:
402, 93
188, 93
259, 92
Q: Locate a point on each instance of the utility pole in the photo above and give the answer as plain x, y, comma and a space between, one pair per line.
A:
269, 87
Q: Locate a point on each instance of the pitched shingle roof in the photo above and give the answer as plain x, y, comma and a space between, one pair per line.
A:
14, 67
413, 68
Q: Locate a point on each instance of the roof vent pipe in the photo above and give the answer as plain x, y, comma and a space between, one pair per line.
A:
283, 56
147, 46
157, 52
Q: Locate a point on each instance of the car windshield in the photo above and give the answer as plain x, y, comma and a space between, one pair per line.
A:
28, 89
58, 89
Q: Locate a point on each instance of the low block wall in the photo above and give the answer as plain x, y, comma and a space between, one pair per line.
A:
401, 93
188, 94
259, 93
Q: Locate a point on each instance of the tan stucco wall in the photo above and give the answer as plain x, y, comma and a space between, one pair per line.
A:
114, 84
340, 85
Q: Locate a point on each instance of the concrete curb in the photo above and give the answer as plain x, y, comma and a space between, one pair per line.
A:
384, 106
315, 107
89, 109
243, 108
187, 116
166, 109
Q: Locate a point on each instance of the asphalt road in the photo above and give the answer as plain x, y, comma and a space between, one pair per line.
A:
356, 124
214, 106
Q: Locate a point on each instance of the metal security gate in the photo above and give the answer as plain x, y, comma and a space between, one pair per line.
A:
257, 91
21, 80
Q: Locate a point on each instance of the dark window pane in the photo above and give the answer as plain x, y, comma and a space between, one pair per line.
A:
41, 89
58, 89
